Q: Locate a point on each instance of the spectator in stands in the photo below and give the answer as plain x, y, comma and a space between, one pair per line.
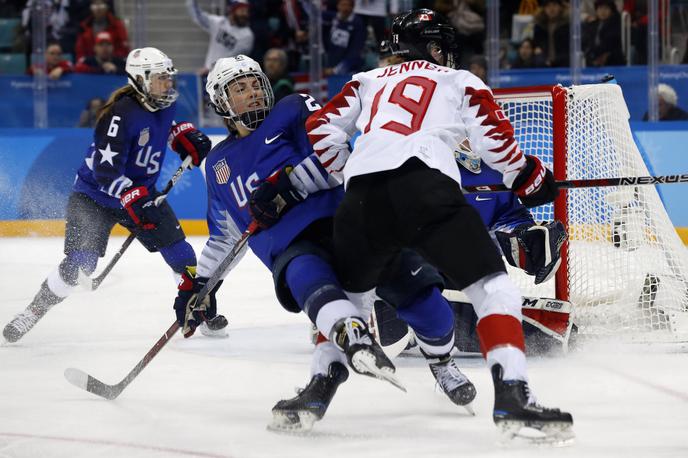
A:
551, 33
526, 57
374, 14
467, 16
89, 116
275, 66
588, 7
101, 20
55, 65
668, 109
229, 35
344, 40
104, 61
297, 23
602, 36
478, 66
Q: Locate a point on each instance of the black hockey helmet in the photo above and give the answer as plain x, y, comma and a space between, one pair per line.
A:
416, 32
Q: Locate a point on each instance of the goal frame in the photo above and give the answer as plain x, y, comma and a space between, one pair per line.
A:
558, 96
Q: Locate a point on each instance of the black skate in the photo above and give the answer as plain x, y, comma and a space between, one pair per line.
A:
518, 415
453, 382
24, 321
299, 413
215, 327
362, 351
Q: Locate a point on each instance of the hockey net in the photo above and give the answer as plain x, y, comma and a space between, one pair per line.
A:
624, 268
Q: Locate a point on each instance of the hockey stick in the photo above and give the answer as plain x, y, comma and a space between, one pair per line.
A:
84, 381
591, 183
93, 283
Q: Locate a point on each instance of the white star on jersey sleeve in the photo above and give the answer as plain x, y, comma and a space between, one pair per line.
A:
107, 154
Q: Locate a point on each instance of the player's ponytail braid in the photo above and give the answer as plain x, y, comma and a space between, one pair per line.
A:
115, 96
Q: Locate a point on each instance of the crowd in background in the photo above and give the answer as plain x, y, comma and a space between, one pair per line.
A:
87, 36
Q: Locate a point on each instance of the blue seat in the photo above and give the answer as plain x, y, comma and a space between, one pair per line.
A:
8, 31
12, 64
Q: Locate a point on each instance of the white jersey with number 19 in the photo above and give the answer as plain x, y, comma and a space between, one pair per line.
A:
413, 109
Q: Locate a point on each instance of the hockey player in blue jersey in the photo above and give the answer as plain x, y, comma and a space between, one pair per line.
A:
247, 175
116, 182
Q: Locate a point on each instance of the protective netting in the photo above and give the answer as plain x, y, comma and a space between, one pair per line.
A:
626, 271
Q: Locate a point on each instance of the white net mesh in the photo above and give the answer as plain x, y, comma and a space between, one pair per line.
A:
626, 265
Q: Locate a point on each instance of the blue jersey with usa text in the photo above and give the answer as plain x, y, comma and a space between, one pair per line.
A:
128, 149
498, 210
236, 167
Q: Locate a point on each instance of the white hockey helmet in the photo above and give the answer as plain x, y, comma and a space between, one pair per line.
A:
240, 91
145, 67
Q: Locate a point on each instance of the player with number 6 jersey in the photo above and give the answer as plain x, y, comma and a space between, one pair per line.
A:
116, 182
403, 191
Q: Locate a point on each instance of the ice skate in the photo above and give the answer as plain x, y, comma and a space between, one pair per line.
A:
518, 415
299, 413
362, 351
215, 327
453, 382
24, 321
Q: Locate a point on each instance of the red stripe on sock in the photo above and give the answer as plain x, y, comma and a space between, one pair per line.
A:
320, 339
498, 331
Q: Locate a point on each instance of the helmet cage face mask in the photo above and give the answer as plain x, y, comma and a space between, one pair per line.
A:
146, 65
247, 99
168, 95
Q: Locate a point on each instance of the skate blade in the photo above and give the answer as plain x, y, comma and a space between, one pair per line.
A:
552, 434
214, 334
469, 408
299, 422
364, 363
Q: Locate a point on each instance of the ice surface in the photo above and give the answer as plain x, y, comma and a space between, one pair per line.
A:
212, 398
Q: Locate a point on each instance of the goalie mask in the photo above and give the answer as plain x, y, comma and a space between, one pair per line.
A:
417, 33
240, 91
467, 158
153, 76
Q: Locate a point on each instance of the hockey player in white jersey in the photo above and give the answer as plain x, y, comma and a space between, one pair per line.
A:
403, 191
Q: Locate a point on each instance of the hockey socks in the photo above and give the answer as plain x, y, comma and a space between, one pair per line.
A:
432, 320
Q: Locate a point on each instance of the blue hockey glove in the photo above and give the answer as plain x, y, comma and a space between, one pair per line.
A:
535, 249
273, 197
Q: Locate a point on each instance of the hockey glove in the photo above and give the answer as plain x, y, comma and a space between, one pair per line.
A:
535, 184
535, 249
186, 141
273, 197
190, 314
140, 206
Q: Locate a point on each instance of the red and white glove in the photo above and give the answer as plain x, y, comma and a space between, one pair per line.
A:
141, 207
535, 184
186, 141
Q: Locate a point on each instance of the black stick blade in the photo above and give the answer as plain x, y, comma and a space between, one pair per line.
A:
84, 381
